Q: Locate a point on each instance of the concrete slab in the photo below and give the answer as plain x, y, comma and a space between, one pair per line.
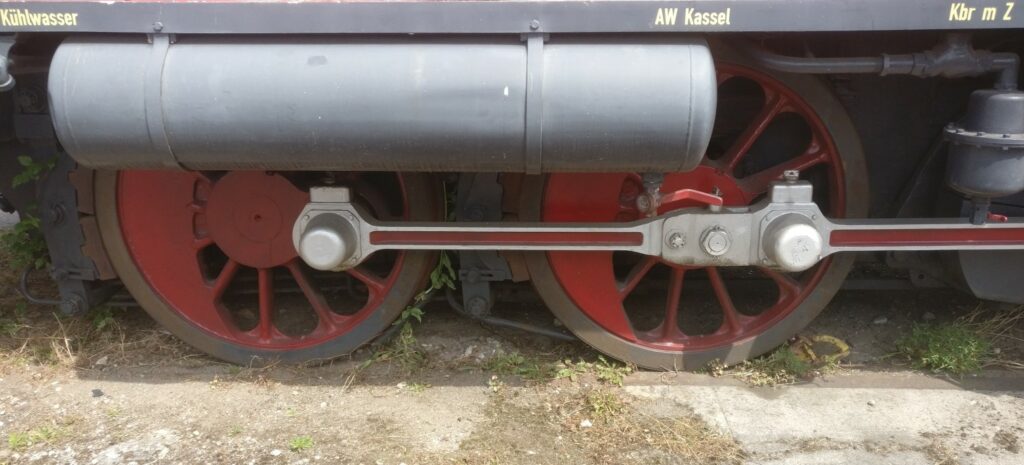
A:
882, 418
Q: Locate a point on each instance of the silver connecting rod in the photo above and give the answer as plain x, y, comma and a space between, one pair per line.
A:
787, 231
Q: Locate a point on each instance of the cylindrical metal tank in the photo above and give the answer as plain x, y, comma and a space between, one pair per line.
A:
473, 104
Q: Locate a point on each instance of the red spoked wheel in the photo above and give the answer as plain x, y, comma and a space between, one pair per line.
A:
210, 256
665, 316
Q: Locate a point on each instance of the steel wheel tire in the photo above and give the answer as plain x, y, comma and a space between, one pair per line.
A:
843, 135
409, 275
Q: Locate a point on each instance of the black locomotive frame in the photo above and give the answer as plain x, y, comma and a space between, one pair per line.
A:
475, 17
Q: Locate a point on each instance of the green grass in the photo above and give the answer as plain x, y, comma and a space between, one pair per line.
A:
610, 372
945, 348
24, 440
780, 366
299, 444
517, 364
604, 404
403, 350
418, 387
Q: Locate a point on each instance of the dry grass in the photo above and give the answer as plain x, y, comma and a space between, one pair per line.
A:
598, 425
1004, 328
619, 426
39, 336
941, 454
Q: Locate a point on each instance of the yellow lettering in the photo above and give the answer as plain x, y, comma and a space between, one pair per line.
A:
666, 17
988, 13
23, 17
961, 12
1009, 8
692, 17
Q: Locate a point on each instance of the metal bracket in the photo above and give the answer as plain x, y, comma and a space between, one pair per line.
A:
154, 99
479, 199
534, 102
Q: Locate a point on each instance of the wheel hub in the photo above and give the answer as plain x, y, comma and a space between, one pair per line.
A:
250, 216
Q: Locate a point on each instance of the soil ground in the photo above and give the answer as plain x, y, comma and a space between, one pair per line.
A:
112, 387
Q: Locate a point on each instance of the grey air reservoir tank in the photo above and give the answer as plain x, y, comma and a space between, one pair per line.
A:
473, 104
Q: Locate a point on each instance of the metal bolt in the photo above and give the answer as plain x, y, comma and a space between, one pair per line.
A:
535, 24
791, 175
477, 306
72, 305
643, 203
158, 26
676, 240
57, 214
716, 242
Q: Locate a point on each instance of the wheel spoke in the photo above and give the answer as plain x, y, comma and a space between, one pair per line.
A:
266, 298
788, 287
315, 298
773, 105
224, 279
731, 315
670, 326
636, 274
372, 282
201, 243
758, 183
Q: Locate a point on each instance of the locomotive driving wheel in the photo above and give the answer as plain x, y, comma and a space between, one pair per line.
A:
661, 315
209, 255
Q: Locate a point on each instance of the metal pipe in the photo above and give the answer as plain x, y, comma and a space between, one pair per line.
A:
502, 322
23, 290
953, 58
809, 65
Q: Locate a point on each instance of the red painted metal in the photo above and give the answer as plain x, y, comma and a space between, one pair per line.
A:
590, 280
925, 237
250, 216
683, 195
506, 238
169, 218
997, 218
